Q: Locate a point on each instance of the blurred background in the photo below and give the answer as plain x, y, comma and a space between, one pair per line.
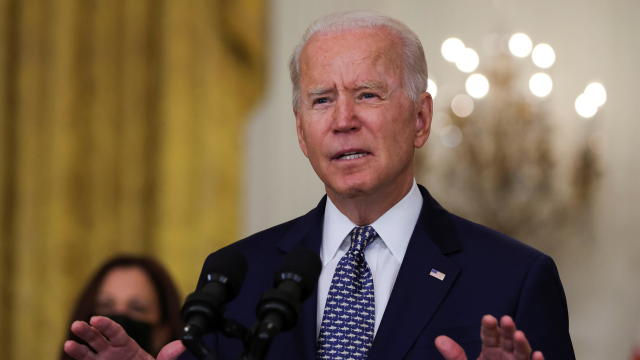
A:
165, 128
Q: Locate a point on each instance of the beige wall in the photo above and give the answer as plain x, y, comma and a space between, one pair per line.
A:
594, 40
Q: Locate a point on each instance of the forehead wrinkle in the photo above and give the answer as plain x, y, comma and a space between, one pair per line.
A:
320, 91
339, 72
371, 84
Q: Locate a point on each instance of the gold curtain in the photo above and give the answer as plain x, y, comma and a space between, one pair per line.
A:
120, 131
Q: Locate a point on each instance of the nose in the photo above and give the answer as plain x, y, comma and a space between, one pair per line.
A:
120, 308
345, 119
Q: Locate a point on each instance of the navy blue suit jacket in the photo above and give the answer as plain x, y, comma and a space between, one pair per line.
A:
485, 273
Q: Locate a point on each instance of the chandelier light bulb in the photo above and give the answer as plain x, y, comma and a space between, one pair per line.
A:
452, 49
468, 61
432, 88
520, 45
462, 105
543, 56
540, 84
585, 107
477, 85
596, 93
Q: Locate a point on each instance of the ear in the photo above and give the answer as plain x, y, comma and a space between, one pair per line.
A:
300, 131
423, 119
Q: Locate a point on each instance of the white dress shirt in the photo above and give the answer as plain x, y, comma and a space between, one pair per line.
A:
384, 255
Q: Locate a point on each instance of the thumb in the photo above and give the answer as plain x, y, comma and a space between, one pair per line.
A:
449, 349
171, 351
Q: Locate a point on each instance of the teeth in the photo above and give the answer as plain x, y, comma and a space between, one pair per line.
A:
351, 156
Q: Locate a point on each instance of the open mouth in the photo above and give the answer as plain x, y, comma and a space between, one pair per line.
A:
351, 155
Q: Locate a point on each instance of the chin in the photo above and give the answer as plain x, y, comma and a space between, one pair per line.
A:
352, 189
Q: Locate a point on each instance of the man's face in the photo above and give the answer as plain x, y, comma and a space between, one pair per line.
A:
354, 120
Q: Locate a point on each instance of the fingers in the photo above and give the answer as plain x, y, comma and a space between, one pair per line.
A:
489, 332
449, 349
537, 356
90, 335
504, 339
171, 351
522, 349
111, 329
78, 351
507, 330
107, 340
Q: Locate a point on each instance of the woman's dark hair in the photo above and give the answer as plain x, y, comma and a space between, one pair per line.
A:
168, 297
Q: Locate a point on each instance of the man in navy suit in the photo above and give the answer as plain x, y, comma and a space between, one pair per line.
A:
361, 110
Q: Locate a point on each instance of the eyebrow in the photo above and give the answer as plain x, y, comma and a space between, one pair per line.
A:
320, 91
363, 85
375, 85
371, 85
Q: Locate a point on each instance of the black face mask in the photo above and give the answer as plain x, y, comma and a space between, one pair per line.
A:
137, 330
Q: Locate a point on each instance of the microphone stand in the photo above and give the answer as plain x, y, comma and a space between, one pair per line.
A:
277, 310
192, 338
261, 338
279, 307
194, 344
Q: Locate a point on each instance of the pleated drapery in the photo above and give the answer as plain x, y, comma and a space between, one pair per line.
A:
121, 128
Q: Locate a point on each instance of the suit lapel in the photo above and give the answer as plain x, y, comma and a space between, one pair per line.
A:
306, 233
416, 294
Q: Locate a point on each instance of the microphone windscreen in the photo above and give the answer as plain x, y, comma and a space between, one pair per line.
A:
226, 265
306, 265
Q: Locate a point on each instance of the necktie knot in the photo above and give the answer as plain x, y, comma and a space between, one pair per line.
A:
361, 237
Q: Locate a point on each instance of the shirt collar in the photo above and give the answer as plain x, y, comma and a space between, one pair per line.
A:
335, 229
394, 226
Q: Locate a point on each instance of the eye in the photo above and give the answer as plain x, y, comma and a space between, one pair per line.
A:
320, 100
368, 95
138, 307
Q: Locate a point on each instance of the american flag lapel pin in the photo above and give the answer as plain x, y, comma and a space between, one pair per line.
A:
437, 274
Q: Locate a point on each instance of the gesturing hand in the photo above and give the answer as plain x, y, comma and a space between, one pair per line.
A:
111, 342
499, 342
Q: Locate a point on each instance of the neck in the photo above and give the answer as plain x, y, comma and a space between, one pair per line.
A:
364, 209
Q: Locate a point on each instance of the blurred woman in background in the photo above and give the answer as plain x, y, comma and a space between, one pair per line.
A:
138, 293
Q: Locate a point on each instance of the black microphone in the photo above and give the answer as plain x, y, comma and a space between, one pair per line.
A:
203, 309
279, 308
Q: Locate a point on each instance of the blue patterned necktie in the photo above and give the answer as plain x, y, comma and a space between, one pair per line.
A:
349, 316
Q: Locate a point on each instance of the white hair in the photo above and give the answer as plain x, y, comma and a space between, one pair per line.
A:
415, 64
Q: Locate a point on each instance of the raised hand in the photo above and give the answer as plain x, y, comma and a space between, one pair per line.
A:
109, 341
499, 342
